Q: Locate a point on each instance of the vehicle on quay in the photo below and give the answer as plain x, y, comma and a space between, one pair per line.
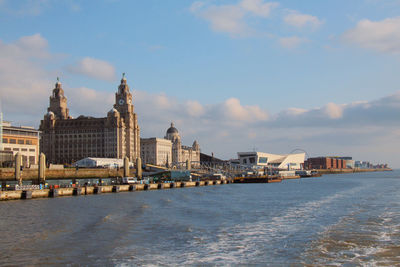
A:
129, 180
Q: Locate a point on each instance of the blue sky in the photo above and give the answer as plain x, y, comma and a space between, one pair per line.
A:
232, 74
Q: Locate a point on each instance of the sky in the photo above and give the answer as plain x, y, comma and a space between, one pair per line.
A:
271, 76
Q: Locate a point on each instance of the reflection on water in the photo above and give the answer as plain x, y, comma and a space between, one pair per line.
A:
349, 219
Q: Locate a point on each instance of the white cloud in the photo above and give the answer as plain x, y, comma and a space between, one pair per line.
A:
333, 111
292, 42
232, 18
300, 20
23, 78
382, 36
94, 68
258, 7
194, 108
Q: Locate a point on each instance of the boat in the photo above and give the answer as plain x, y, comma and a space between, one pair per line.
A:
257, 179
308, 173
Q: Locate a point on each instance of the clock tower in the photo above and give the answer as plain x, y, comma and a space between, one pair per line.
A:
123, 98
129, 137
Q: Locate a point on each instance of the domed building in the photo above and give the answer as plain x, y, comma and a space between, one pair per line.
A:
66, 140
182, 153
169, 150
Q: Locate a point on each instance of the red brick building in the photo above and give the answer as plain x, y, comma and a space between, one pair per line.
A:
325, 163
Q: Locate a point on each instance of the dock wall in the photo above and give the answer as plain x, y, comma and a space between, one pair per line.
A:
8, 174
89, 190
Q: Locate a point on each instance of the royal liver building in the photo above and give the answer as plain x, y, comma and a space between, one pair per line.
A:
66, 140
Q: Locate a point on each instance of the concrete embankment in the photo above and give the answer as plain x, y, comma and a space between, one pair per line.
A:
8, 174
88, 190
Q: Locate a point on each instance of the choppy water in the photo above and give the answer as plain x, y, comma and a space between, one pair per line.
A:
348, 220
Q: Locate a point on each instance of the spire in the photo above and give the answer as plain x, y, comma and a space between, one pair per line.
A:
123, 80
58, 84
172, 124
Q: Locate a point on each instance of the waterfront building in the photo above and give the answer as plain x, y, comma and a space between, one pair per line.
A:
66, 140
169, 150
156, 151
23, 139
325, 163
181, 153
262, 160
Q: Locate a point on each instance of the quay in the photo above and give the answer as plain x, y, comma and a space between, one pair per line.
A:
93, 190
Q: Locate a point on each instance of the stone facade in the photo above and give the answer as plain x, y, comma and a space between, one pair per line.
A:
182, 153
156, 151
66, 140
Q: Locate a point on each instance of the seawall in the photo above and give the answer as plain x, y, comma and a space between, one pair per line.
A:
89, 190
8, 174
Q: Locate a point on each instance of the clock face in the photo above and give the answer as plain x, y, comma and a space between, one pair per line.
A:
121, 102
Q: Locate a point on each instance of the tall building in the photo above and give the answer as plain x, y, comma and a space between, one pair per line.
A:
21, 139
182, 153
66, 140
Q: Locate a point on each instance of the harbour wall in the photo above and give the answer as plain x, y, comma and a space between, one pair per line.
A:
8, 174
89, 190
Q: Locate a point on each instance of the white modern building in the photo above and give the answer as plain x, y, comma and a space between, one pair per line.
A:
262, 160
101, 162
156, 151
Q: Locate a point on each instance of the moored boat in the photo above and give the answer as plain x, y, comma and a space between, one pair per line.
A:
257, 179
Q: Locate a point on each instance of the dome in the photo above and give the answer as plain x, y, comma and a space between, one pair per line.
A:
50, 113
172, 129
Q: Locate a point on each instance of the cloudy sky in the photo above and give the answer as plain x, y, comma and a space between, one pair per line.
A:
239, 75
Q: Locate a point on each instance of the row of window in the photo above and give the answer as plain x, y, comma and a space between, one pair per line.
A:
16, 132
17, 149
17, 141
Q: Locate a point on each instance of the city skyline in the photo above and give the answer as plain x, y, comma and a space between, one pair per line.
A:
234, 75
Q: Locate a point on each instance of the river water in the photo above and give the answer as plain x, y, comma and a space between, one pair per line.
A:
347, 219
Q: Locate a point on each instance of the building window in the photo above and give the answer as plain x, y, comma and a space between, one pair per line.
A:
7, 149
20, 142
5, 141
13, 141
262, 160
24, 149
15, 149
28, 142
252, 160
31, 150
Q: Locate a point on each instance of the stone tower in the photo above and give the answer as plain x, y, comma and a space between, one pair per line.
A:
128, 120
58, 102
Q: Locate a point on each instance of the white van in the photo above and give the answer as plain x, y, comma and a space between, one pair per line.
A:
129, 180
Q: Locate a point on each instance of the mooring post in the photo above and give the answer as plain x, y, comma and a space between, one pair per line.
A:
42, 169
139, 168
188, 165
18, 168
126, 167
